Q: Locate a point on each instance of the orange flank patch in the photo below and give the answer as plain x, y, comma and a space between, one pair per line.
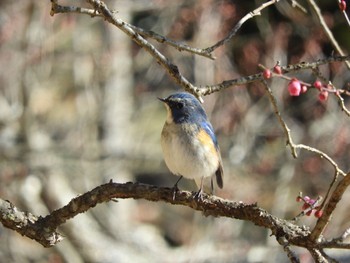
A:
206, 140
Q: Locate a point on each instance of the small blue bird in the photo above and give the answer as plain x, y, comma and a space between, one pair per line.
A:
188, 141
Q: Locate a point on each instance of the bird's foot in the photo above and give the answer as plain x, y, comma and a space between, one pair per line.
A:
199, 195
175, 190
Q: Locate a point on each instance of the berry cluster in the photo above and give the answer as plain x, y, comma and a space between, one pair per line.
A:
296, 87
310, 205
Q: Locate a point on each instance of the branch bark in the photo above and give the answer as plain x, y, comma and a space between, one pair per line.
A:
43, 229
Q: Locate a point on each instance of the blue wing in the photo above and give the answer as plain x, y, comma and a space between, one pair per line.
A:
219, 172
209, 129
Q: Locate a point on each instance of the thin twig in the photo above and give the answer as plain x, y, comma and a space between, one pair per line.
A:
290, 142
171, 68
208, 89
322, 155
244, 19
337, 92
293, 148
56, 9
179, 46
326, 29
327, 257
334, 244
342, 104
280, 119
345, 15
297, 5
310, 208
345, 234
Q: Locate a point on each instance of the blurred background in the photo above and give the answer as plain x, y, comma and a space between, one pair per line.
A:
78, 107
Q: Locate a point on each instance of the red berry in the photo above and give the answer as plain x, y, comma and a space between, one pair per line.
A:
305, 206
277, 69
318, 84
318, 213
308, 213
298, 199
294, 87
303, 89
267, 74
342, 5
323, 95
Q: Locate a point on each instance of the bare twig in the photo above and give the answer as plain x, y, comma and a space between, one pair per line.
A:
290, 142
179, 46
322, 222
342, 104
171, 68
322, 155
297, 5
345, 14
337, 92
334, 244
280, 119
102, 10
338, 242
244, 19
326, 29
56, 9
345, 235
327, 258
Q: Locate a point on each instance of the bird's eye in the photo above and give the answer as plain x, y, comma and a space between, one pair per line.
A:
179, 105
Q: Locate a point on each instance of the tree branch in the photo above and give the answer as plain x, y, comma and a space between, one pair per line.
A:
56, 9
329, 208
42, 227
27, 225
208, 89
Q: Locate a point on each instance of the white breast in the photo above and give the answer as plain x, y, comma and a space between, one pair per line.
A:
184, 155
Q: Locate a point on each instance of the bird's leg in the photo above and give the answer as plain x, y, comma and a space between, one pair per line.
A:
175, 188
198, 195
212, 186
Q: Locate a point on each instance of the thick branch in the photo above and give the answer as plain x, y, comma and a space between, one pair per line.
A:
209, 205
329, 208
27, 225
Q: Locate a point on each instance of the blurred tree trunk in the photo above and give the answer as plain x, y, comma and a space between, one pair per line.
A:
118, 104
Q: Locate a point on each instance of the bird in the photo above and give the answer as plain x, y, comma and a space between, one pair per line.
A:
190, 147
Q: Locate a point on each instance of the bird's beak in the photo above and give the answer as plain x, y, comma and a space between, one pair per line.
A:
163, 100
